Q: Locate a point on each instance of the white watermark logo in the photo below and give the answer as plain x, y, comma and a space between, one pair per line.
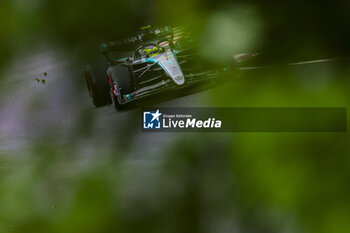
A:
152, 120
156, 120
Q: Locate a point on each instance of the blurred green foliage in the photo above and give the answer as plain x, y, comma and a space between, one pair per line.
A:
258, 182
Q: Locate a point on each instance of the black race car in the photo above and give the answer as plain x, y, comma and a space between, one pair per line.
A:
157, 59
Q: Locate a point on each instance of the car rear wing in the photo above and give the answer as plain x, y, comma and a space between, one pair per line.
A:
120, 45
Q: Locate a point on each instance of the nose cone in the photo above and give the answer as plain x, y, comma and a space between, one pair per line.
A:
179, 79
172, 68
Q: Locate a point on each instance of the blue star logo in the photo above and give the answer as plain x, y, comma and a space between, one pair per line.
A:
152, 120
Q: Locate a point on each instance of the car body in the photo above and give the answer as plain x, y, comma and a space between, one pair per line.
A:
161, 58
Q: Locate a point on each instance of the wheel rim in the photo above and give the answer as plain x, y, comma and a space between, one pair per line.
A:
117, 98
89, 84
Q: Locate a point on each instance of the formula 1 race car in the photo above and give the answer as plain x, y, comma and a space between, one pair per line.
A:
157, 59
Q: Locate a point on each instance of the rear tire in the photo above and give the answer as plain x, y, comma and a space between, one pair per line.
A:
97, 83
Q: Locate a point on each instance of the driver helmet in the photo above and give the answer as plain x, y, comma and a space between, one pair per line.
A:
151, 51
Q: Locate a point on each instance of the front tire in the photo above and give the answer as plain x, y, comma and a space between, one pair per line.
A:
122, 84
116, 99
